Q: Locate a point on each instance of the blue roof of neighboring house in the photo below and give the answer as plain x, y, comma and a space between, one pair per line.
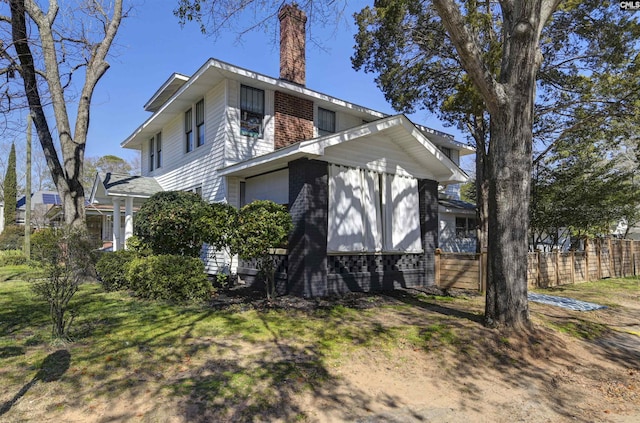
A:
41, 197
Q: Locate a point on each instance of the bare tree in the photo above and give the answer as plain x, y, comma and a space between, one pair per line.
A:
67, 41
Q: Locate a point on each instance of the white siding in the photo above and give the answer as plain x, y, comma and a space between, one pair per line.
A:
345, 121
379, 154
240, 147
273, 186
182, 170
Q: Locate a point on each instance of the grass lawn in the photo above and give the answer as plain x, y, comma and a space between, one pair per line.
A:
152, 361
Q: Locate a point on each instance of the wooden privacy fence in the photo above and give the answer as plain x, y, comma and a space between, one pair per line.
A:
600, 259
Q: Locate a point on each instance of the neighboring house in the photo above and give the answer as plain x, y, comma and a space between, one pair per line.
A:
41, 204
361, 186
458, 228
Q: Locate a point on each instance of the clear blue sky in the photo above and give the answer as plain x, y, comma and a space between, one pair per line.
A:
151, 45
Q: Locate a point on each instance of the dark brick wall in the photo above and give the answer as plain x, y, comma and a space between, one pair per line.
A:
428, 197
293, 119
308, 205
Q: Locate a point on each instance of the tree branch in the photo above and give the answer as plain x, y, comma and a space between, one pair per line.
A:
467, 46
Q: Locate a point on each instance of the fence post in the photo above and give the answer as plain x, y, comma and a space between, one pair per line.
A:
437, 266
612, 267
586, 257
557, 259
573, 266
633, 258
538, 269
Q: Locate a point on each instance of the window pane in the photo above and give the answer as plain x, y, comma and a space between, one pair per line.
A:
151, 152
326, 121
188, 130
251, 111
159, 149
200, 112
188, 123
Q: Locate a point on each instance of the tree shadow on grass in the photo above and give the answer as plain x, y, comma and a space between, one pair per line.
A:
51, 370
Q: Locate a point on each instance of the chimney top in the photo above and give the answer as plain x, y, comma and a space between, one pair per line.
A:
292, 43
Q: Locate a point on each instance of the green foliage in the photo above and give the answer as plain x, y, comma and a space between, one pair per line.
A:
10, 190
583, 188
468, 192
170, 223
12, 238
263, 225
112, 269
12, 258
220, 226
135, 244
66, 256
169, 277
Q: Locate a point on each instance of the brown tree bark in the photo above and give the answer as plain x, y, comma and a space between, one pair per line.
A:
509, 100
67, 176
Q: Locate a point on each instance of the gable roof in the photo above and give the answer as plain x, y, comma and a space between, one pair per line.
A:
398, 129
110, 185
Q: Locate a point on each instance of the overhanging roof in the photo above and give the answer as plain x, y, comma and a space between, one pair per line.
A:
108, 186
398, 129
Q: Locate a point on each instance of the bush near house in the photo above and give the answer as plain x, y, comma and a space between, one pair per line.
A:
112, 270
169, 223
169, 277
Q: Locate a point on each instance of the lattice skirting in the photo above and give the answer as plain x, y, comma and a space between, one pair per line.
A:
356, 273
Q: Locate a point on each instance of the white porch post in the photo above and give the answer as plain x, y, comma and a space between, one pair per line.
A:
116, 224
128, 219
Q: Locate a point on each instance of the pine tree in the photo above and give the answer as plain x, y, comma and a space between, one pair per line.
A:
10, 189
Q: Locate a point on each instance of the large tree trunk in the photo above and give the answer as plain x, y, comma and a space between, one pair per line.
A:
67, 176
509, 168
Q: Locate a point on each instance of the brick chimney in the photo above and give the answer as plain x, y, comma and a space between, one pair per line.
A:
292, 43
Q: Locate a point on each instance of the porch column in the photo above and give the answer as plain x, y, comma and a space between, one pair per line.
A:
428, 198
116, 224
308, 205
128, 219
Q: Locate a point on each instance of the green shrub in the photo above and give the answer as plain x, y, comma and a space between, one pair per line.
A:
112, 269
12, 258
169, 277
12, 238
169, 223
263, 225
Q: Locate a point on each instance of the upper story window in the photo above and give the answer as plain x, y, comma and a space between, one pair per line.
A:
188, 130
152, 151
155, 152
159, 150
200, 123
326, 121
251, 111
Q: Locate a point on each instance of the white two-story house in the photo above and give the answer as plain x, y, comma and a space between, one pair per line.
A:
361, 186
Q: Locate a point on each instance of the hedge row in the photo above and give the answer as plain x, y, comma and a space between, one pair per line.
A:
165, 277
